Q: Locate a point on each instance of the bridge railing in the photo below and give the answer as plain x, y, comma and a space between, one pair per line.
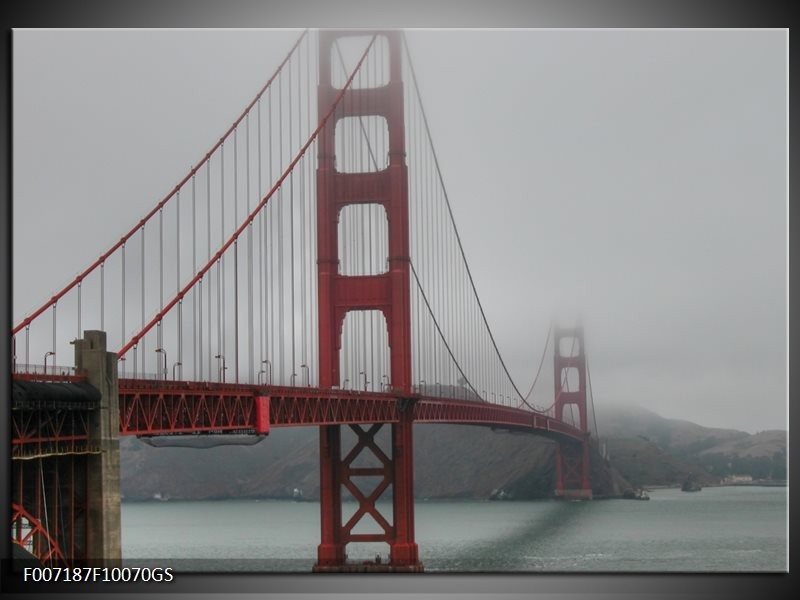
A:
33, 369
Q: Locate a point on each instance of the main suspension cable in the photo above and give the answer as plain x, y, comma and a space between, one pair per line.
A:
452, 219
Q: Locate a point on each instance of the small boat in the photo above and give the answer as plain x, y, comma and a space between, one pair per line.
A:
297, 495
499, 494
637, 494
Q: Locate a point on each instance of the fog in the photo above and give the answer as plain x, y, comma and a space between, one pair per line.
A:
633, 179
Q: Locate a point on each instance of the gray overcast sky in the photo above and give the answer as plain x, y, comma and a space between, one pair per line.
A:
635, 177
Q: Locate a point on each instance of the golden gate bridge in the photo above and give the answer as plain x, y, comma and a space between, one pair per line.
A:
307, 271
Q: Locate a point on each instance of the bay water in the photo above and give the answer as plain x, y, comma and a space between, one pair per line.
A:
720, 529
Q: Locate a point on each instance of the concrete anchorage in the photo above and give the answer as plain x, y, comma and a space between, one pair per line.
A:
104, 545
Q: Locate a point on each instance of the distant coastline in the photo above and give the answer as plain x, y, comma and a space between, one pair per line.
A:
641, 450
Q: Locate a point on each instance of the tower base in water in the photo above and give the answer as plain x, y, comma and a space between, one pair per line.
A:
574, 494
368, 567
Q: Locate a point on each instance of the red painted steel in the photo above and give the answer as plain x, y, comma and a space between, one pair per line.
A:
29, 533
153, 407
389, 293
44, 432
146, 410
572, 461
366, 503
48, 517
262, 415
157, 407
50, 441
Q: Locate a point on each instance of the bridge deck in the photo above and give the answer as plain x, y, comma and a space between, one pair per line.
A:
153, 408
150, 407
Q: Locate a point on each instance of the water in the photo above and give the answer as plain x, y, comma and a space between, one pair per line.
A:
726, 529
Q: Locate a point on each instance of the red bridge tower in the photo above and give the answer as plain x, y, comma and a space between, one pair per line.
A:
387, 292
572, 459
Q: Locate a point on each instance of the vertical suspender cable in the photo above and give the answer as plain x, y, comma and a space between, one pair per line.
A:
199, 373
303, 268
179, 362
314, 238
357, 252
280, 287
199, 291
208, 259
302, 220
262, 233
102, 296
250, 324
373, 346
122, 318
362, 253
178, 243
377, 215
236, 256
144, 361
291, 228
221, 274
159, 331
79, 309
444, 297
221, 280
271, 240
178, 284
220, 343
415, 229
309, 360
54, 336
591, 397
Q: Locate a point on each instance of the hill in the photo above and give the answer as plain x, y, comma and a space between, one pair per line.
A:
452, 461
649, 449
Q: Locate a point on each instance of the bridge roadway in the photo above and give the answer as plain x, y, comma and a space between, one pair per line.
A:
152, 407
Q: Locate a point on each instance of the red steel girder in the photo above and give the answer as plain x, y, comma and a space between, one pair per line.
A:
441, 410
366, 503
29, 533
159, 412
49, 516
41, 432
158, 408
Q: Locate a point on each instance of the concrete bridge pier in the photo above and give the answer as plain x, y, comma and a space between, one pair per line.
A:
103, 544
